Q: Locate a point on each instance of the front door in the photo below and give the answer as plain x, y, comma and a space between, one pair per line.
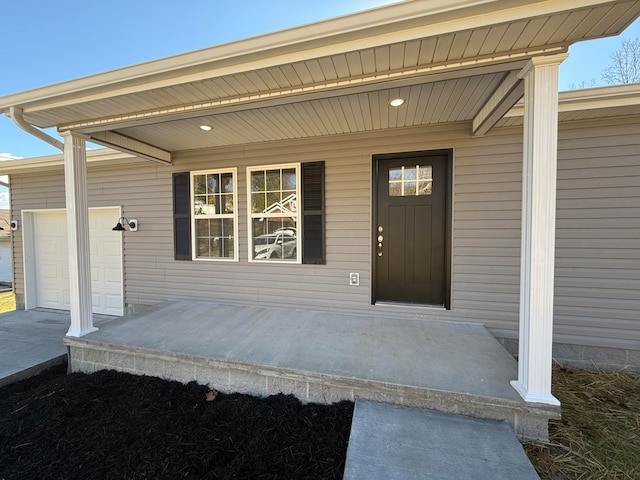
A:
410, 234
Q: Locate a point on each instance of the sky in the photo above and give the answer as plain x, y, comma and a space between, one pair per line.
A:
46, 42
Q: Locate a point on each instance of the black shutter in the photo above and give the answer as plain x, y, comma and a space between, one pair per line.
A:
181, 216
313, 250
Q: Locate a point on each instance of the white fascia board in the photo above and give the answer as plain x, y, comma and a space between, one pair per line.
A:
591, 99
385, 25
94, 157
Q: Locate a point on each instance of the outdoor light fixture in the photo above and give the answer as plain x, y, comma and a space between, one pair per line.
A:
206, 128
132, 224
13, 224
396, 102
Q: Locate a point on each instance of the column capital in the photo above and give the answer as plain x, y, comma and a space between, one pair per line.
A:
72, 134
543, 61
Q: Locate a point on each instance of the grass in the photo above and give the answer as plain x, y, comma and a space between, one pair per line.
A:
7, 302
598, 436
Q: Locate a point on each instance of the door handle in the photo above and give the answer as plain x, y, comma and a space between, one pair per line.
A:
380, 240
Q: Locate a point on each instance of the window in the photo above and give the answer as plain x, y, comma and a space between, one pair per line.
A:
214, 216
287, 224
273, 213
410, 181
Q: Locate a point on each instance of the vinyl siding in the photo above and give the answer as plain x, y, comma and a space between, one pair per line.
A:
597, 286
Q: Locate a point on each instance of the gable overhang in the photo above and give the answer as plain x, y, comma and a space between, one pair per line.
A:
451, 60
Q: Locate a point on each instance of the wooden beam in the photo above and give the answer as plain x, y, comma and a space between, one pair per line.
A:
503, 99
130, 145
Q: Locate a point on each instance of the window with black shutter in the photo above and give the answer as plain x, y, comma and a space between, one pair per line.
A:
312, 214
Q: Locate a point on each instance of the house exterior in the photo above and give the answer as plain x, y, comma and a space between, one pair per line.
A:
276, 171
6, 276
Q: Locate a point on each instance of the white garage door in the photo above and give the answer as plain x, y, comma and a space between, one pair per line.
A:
52, 267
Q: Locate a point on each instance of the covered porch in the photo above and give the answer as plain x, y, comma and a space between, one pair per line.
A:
320, 357
451, 62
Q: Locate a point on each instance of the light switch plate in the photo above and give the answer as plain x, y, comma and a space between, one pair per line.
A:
354, 279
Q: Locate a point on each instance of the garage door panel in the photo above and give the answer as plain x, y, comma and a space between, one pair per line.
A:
52, 271
112, 301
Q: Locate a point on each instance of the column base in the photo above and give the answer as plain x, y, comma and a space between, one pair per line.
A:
81, 333
533, 397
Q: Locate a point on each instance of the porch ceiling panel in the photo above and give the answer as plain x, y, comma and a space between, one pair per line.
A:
446, 101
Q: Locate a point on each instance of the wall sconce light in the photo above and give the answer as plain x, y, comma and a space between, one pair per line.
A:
13, 224
122, 221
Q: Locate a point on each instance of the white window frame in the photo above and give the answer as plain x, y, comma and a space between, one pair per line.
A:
234, 215
251, 215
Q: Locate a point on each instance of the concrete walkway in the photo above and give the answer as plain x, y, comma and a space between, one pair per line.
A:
31, 341
392, 442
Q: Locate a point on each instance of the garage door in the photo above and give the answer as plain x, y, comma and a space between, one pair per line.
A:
52, 267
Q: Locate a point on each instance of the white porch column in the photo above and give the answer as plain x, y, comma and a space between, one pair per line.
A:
75, 178
538, 228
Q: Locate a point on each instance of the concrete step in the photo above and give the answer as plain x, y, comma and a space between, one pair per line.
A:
390, 442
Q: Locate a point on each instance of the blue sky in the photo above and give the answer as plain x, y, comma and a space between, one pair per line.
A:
45, 42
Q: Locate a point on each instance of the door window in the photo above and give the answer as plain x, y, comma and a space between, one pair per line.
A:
410, 181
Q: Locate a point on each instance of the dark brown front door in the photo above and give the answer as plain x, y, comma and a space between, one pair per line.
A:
410, 239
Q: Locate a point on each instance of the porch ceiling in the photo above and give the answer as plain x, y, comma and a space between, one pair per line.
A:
445, 58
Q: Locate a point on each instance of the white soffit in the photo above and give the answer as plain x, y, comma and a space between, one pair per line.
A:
327, 77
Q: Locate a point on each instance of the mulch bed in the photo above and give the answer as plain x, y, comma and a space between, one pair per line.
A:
112, 425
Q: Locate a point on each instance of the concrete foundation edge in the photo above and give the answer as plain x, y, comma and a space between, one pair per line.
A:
529, 421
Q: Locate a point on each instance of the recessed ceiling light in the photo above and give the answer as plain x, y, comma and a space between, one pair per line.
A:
206, 128
396, 102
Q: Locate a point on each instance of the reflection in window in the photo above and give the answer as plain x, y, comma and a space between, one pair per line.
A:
274, 213
410, 181
214, 220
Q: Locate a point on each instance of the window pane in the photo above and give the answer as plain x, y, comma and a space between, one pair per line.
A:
395, 174
226, 183
409, 173
424, 188
213, 184
227, 201
273, 203
289, 203
395, 189
289, 179
257, 182
199, 184
409, 188
258, 202
274, 238
202, 247
425, 173
211, 205
200, 205
273, 180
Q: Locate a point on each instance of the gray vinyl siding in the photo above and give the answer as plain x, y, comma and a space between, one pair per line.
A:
597, 286
597, 293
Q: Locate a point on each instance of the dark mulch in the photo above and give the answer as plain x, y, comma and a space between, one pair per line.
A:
113, 425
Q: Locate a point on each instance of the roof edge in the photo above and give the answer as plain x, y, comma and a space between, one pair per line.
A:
388, 14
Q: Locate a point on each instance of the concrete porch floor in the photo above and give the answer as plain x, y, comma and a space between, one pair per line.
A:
318, 357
